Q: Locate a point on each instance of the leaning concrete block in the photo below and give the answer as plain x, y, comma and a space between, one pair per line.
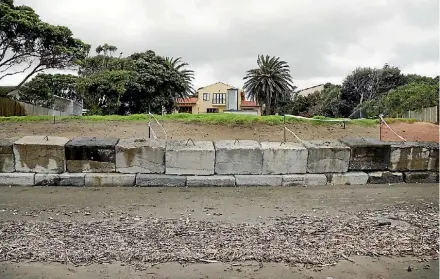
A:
413, 156
327, 156
7, 155
109, 180
160, 180
315, 179
349, 178
91, 155
294, 180
433, 164
421, 177
368, 153
216, 181
385, 177
284, 158
63, 179
188, 157
40, 154
17, 179
258, 180
238, 157
140, 156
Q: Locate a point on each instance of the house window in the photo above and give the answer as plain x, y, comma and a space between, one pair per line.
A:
185, 109
212, 110
205, 96
219, 98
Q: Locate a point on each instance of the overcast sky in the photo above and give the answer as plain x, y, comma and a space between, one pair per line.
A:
321, 40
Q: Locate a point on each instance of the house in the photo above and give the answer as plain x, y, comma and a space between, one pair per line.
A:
307, 91
217, 98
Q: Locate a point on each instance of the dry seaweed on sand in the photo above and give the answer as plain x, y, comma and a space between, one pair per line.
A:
315, 241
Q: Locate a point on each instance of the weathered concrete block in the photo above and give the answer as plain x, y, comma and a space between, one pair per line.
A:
63, 179
238, 157
294, 180
216, 181
385, 177
258, 180
140, 156
160, 180
349, 178
421, 177
283, 158
187, 157
327, 156
368, 153
17, 179
91, 155
413, 156
315, 179
40, 154
7, 155
109, 180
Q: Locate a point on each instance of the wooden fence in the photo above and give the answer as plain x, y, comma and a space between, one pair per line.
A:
9, 107
426, 114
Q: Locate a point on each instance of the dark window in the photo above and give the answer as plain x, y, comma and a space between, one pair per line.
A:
185, 109
205, 96
212, 110
219, 98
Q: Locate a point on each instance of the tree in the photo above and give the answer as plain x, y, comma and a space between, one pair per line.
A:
365, 84
43, 87
102, 61
270, 83
102, 91
32, 45
154, 84
188, 75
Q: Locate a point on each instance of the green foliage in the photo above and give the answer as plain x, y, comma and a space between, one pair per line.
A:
102, 91
33, 45
269, 84
365, 84
41, 89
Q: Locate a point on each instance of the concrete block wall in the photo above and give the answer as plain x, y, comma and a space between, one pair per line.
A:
103, 162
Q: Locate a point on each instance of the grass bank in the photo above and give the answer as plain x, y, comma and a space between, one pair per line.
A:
209, 118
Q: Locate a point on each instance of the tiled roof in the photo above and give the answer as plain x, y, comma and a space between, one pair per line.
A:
245, 103
191, 100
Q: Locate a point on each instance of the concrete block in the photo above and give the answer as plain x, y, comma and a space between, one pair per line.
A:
368, 153
17, 179
294, 180
188, 157
238, 157
160, 180
7, 155
283, 158
7, 163
315, 179
349, 178
40, 154
140, 156
91, 155
413, 156
109, 180
216, 181
63, 179
385, 177
421, 177
327, 156
258, 180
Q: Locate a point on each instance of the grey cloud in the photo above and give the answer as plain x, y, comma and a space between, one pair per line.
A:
303, 36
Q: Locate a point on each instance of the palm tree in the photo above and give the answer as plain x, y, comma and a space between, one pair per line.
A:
188, 75
270, 83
